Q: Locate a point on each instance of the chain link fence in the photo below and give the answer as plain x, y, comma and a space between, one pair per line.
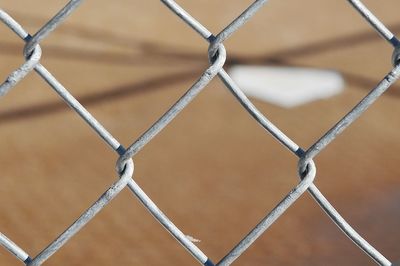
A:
125, 166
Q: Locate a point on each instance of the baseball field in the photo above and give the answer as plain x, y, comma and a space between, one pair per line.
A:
213, 171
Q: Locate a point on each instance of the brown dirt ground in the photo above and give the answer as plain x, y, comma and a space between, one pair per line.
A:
213, 171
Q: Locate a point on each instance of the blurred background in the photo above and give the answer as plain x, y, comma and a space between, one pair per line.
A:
214, 171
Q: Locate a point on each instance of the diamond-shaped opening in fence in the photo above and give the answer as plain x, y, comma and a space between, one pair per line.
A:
342, 49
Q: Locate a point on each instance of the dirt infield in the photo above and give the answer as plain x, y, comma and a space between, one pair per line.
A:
213, 170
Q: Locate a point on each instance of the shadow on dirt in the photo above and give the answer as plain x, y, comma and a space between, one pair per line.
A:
159, 54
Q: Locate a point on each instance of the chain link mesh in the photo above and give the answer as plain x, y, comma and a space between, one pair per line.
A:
125, 167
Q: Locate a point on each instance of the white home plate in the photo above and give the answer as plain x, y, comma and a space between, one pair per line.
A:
287, 86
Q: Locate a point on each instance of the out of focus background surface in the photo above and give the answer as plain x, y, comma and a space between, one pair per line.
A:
213, 170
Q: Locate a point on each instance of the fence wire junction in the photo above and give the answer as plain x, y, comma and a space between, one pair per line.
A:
125, 166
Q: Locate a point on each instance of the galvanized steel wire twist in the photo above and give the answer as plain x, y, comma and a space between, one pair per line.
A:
125, 167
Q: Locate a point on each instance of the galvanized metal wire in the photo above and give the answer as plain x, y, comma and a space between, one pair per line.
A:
125, 167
